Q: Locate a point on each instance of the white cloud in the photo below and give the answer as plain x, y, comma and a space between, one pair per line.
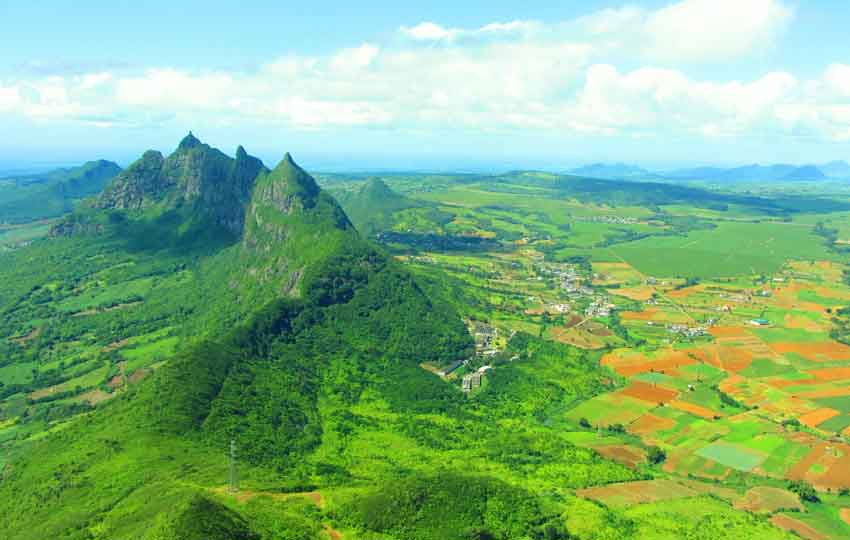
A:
688, 31
93, 80
431, 32
837, 79
311, 113
428, 31
355, 59
10, 98
170, 88
522, 76
712, 30
666, 100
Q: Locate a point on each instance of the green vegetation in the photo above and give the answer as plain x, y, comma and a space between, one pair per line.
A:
469, 377
371, 208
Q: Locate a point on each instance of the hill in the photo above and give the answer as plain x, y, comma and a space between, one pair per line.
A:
805, 173
292, 303
371, 207
836, 169
33, 197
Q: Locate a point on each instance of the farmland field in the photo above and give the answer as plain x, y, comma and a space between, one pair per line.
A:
722, 329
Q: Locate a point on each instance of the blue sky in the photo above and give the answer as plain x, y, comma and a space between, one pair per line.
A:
450, 85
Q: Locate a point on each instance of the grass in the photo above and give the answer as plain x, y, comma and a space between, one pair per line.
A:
731, 456
728, 250
11, 236
764, 367
841, 403
836, 424
784, 457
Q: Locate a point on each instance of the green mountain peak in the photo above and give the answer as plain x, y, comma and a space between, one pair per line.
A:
377, 189
196, 178
371, 207
291, 225
189, 142
294, 180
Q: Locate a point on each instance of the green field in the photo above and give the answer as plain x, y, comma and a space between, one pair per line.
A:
728, 250
731, 456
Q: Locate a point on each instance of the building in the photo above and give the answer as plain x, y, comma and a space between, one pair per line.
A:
449, 370
471, 381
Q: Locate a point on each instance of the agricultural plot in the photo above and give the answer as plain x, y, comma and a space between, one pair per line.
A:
765, 499
727, 250
732, 456
632, 493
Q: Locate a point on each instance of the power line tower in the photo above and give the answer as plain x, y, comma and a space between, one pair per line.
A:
234, 480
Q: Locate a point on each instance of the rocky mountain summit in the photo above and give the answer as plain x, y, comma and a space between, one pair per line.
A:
195, 175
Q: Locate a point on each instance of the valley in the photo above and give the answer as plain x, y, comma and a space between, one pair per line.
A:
727, 333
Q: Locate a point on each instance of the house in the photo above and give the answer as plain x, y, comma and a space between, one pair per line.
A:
471, 381
452, 367
559, 308
760, 322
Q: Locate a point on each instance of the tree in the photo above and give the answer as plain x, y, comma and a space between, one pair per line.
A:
584, 422
655, 455
804, 490
617, 428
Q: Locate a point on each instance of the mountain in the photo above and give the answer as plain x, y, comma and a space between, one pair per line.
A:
836, 169
40, 196
749, 173
194, 175
697, 173
806, 173
285, 327
616, 171
371, 206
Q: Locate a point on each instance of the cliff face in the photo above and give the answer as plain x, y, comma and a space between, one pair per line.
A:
139, 183
195, 175
284, 222
290, 224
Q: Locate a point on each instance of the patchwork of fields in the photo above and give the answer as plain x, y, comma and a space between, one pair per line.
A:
721, 330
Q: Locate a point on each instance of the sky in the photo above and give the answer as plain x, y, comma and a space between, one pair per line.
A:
446, 86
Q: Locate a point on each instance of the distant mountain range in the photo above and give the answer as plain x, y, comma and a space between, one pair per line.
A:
777, 172
614, 171
750, 173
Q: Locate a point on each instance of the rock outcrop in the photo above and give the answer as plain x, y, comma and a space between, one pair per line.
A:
195, 175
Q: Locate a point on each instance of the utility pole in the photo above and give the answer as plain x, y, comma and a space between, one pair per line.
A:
234, 481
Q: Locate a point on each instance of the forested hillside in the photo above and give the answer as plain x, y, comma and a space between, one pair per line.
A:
26, 198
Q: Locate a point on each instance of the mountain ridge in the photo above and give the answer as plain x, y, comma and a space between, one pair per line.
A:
51, 194
194, 174
299, 314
